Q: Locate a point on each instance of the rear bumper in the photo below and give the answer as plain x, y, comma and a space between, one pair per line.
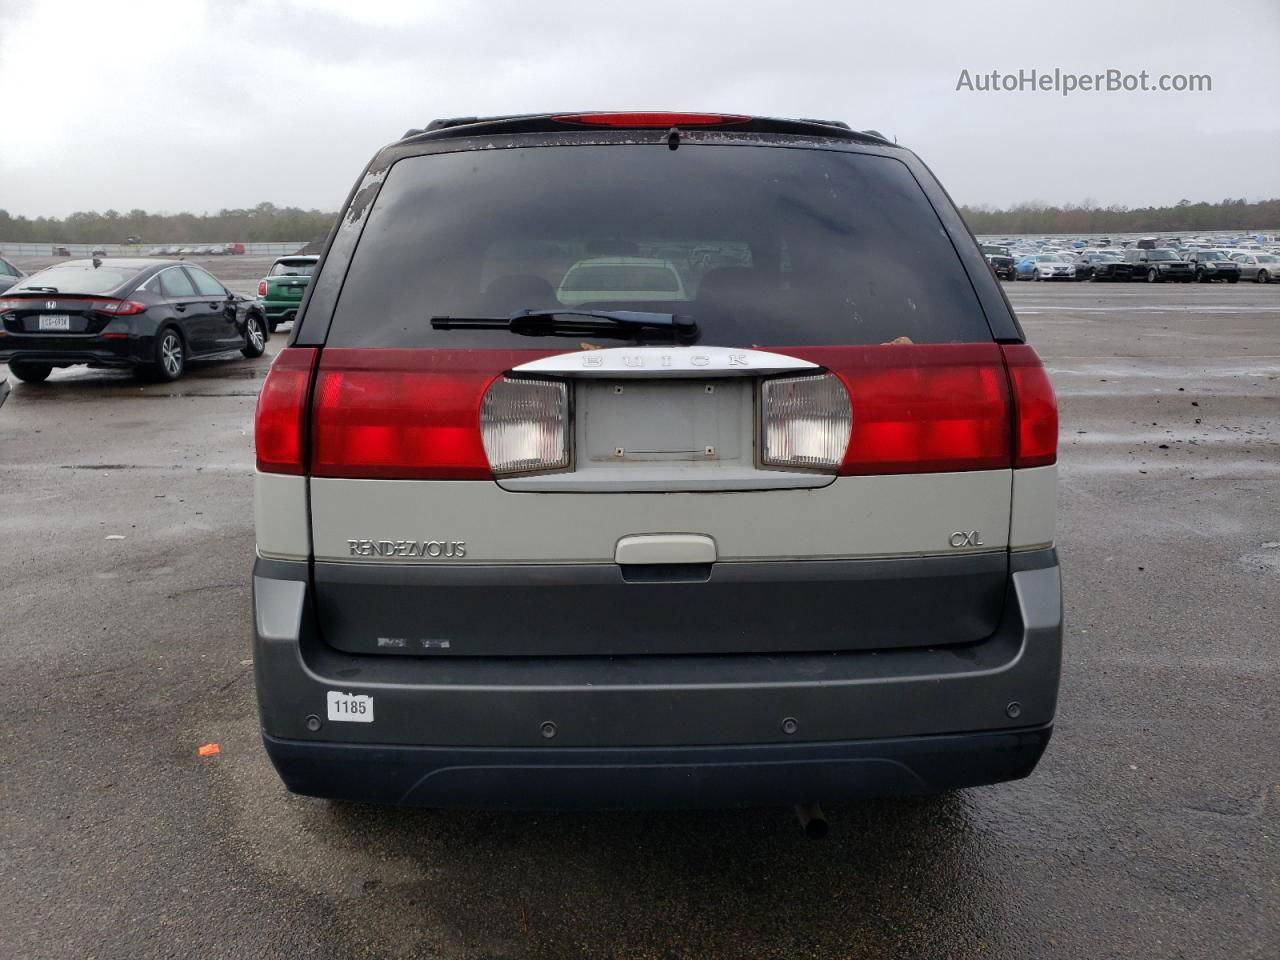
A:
280, 310
738, 775
658, 730
63, 351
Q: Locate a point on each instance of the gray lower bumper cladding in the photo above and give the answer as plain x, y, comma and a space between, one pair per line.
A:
682, 731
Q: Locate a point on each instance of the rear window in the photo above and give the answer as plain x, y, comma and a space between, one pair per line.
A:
758, 245
292, 268
80, 278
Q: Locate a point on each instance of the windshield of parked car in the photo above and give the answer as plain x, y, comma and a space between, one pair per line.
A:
1211, 255
79, 278
1162, 255
1050, 258
1267, 258
756, 245
292, 268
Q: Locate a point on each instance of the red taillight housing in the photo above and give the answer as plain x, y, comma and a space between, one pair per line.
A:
119, 308
404, 414
421, 414
280, 424
932, 408
647, 119
1035, 408
262, 288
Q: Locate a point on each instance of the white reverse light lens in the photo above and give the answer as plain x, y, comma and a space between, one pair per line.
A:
806, 422
524, 425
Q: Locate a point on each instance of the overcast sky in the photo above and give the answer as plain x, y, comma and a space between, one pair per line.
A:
201, 105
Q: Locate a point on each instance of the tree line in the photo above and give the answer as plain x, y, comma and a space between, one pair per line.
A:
266, 222
1088, 218
261, 224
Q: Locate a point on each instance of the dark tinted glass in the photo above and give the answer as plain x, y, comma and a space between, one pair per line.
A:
292, 268
759, 245
174, 283
206, 283
80, 278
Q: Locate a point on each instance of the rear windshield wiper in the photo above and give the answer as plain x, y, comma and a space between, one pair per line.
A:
37, 289
573, 323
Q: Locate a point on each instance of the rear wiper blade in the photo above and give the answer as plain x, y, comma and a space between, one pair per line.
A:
555, 322
37, 289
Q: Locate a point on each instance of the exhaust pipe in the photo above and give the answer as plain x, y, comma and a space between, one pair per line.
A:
812, 820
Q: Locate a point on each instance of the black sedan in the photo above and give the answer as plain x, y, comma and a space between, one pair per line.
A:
1101, 266
146, 315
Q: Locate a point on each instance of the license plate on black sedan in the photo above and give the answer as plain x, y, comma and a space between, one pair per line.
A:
55, 321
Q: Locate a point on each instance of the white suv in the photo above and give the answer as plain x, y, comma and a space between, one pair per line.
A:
780, 532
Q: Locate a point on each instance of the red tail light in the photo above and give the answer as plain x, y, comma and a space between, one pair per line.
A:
119, 308
404, 414
922, 409
262, 288
648, 119
416, 414
1035, 408
280, 424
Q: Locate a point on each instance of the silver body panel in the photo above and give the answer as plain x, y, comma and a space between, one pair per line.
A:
880, 516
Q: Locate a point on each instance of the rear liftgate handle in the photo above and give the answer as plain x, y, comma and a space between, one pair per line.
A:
665, 557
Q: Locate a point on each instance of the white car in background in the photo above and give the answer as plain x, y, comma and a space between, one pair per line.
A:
1259, 267
621, 278
1053, 266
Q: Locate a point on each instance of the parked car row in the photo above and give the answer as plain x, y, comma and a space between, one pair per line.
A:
1226, 257
206, 250
1152, 265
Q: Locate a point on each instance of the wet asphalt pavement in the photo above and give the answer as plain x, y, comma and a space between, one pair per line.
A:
1150, 830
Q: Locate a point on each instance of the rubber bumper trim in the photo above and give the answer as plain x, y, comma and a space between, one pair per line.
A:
673, 777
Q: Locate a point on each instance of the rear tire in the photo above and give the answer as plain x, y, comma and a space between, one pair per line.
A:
1263, 276
1153, 276
255, 337
272, 324
30, 372
171, 357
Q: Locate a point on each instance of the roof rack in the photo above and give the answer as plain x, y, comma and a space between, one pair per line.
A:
561, 121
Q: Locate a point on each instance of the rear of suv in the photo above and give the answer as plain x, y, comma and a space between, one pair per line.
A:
757, 512
280, 292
